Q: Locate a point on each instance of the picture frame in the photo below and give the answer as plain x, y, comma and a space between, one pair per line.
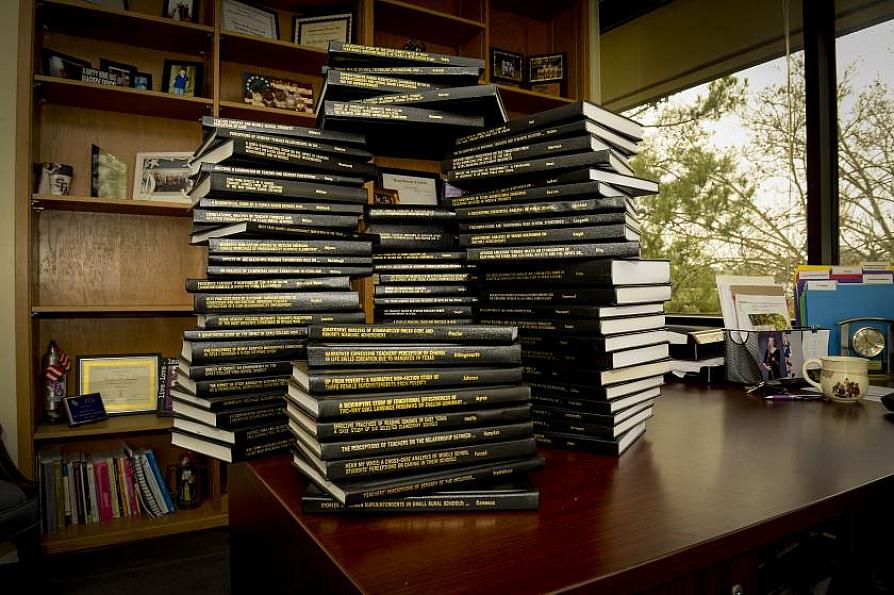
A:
128, 383
143, 81
268, 91
547, 68
249, 19
186, 11
123, 73
385, 196
507, 67
62, 65
412, 187
318, 31
108, 175
161, 175
183, 78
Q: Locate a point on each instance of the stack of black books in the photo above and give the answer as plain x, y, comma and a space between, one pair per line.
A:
550, 222
407, 103
384, 415
280, 225
421, 276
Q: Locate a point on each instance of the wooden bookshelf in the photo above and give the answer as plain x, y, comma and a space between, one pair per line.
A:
121, 424
72, 539
110, 205
105, 276
70, 93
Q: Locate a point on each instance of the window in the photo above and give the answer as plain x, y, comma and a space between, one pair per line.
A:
866, 144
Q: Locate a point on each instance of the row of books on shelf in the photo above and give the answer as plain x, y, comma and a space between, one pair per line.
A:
81, 488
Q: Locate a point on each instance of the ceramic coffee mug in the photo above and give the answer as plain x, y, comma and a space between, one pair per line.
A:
842, 379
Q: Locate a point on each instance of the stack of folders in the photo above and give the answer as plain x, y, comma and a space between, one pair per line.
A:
407, 103
421, 276
282, 251
79, 488
548, 218
409, 418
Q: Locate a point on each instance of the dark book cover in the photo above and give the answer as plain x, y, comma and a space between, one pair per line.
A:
209, 123
590, 424
250, 434
221, 135
384, 333
211, 352
267, 285
344, 85
252, 229
210, 219
243, 401
286, 271
402, 214
221, 206
408, 443
422, 268
324, 381
275, 302
500, 497
419, 461
595, 233
233, 386
356, 492
335, 113
478, 177
554, 252
514, 224
428, 311
605, 446
447, 76
592, 296
240, 321
412, 355
617, 178
579, 144
589, 273
390, 403
414, 301
539, 135
426, 278
525, 193
227, 419
256, 172
230, 453
245, 334
409, 423
608, 210
247, 187
289, 259
237, 370
538, 312
596, 377
395, 238
474, 100
352, 55
416, 256
572, 111
446, 290
287, 246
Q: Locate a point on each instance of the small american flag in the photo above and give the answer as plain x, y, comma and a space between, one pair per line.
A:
56, 371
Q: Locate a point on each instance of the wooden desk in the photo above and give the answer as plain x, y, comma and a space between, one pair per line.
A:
717, 475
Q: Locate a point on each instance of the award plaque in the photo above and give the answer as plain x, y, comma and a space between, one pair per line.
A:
317, 32
250, 20
127, 383
413, 189
83, 409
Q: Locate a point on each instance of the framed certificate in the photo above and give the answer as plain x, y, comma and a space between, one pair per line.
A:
127, 383
251, 20
317, 32
413, 188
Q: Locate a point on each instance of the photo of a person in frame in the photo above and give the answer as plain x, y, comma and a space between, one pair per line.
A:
772, 361
180, 82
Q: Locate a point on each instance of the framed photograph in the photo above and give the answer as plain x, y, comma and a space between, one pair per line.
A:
548, 68
250, 20
507, 67
384, 196
267, 91
119, 4
161, 176
318, 31
127, 383
63, 66
181, 77
181, 10
124, 74
143, 81
413, 188
108, 177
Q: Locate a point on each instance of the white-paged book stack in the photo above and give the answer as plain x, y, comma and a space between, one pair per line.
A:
548, 216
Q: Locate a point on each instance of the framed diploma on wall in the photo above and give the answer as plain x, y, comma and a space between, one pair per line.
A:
318, 31
127, 383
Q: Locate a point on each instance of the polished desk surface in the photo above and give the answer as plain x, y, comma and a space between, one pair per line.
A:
716, 473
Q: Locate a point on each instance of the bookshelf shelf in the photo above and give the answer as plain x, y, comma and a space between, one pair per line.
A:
110, 205
110, 310
206, 516
393, 16
527, 101
234, 109
122, 424
61, 91
93, 21
270, 53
